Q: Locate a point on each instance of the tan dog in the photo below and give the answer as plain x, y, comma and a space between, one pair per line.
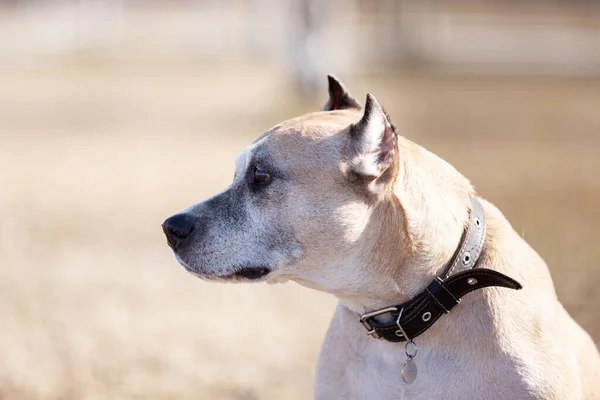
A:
337, 201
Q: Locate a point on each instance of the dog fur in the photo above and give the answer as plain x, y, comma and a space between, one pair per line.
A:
354, 209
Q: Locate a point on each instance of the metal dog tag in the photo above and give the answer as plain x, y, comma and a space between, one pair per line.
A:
409, 371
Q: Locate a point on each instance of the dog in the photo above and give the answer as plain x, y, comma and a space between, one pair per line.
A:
338, 201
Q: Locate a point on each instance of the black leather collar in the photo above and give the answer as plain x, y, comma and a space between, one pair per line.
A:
408, 320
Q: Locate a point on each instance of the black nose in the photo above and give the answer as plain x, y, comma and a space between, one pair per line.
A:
178, 228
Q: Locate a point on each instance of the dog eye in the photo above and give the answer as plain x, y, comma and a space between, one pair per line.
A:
260, 176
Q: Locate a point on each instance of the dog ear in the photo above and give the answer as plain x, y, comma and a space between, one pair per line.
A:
339, 98
374, 143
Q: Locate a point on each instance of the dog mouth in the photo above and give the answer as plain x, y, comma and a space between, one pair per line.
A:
252, 273
245, 273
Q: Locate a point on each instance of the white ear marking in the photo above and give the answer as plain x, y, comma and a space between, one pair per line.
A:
375, 139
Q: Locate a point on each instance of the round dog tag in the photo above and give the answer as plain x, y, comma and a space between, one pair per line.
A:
409, 371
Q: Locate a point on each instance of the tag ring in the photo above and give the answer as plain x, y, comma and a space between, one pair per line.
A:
414, 348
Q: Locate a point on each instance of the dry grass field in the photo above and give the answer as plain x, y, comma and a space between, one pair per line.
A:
93, 157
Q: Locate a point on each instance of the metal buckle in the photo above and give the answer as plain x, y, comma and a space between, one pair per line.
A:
400, 332
365, 317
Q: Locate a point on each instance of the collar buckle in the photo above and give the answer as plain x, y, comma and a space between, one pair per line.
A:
400, 332
364, 319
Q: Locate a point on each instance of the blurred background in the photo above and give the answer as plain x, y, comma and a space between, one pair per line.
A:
114, 114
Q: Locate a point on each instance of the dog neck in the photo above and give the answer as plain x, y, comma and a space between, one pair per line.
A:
420, 229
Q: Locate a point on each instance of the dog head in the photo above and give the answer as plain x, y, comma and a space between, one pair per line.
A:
312, 200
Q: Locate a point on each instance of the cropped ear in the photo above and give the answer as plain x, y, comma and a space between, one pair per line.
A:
339, 98
374, 144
